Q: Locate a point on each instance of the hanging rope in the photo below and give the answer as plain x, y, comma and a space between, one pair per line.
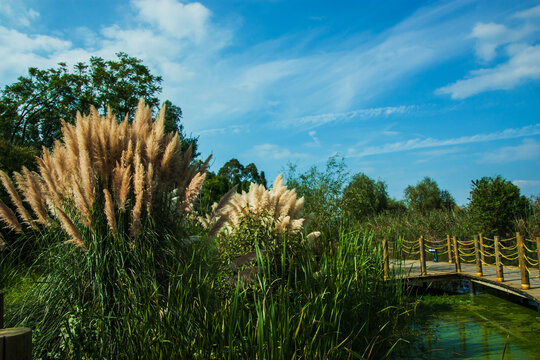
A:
466, 243
509, 258
531, 261
508, 247
529, 250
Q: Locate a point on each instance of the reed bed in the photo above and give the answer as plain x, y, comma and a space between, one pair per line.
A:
124, 272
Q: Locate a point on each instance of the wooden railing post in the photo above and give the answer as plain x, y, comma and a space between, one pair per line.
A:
456, 254
449, 243
538, 252
477, 256
525, 284
1, 310
422, 257
385, 259
498, 260
482, 252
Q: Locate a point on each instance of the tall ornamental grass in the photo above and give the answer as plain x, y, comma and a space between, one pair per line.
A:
108, 209
121, 276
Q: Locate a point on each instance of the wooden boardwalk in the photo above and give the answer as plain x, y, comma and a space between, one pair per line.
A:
410, 269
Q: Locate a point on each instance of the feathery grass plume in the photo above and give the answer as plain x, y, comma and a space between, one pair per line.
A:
30, 185
150, 188
16, 199
84, 138
99, 154
168, 162
109, 211
280, 205
192, 191
9, 218
225, 199
138, 186
80, 202
47, 173
70, 228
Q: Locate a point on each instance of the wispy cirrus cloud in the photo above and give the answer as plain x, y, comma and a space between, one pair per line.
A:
526, 183
529, 149
274, 152
14, 12
215, 83
423, 143
361, 114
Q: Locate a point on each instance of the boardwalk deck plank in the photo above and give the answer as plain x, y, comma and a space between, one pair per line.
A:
512, 275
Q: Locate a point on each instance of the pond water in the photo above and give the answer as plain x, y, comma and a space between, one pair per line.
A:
473, 327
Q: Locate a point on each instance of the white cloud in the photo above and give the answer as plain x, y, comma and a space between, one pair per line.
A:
531, 13
523, 65
526, 183
174, 18
520, 48
419, 143
274, 152
489, 36
529, 149
14, 12
361, 114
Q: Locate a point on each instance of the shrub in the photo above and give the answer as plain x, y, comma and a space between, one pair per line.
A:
271, 219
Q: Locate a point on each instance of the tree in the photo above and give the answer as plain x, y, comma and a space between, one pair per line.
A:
237, 174
173, 123
230, 174
495, 205
31, 108
426, 196
322, 191
364, 197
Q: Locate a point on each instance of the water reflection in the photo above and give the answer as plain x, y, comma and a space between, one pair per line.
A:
473, 327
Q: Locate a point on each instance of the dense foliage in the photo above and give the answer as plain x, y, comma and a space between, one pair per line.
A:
31, 109
496, 204
120, 272
426, 196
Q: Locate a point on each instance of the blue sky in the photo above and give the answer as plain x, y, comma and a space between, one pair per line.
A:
401, 89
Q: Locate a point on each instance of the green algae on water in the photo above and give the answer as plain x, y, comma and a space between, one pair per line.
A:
472, 327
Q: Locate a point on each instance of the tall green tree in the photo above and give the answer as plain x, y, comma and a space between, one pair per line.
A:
31, 108
496, 204
230, 174
426, 196
364, 197
321, 189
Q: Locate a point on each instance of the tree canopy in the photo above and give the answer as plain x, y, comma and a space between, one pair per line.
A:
495, 205
230, 174
31, 108
426, 196
364, 197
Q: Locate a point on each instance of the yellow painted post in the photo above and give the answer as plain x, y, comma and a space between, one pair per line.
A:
422, 257
538, 252
456, 254
525, 283
482, 252
477, 256
16, 344
449, 243
385, 259
1, 310
498, 260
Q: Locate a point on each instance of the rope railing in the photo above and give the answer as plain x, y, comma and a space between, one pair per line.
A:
479, 250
